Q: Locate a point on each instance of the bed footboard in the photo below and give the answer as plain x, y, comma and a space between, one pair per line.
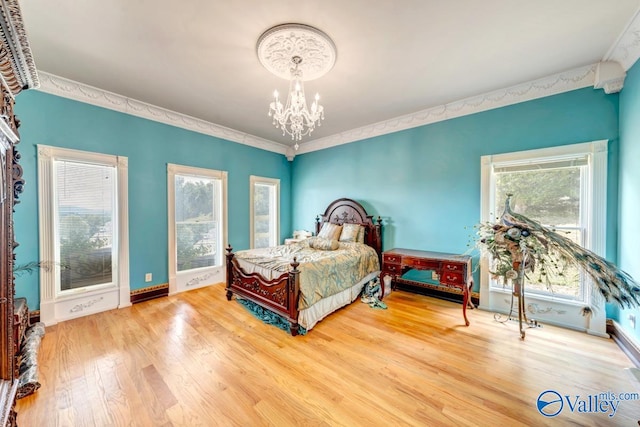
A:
279, 295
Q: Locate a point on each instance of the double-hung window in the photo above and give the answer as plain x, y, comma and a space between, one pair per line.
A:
265, 212
197, 223
563, 188
83, 232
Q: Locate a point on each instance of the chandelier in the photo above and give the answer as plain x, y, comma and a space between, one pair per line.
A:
298, 53
294, 118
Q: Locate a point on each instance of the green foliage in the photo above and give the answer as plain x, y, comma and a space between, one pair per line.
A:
79, 234
551, 196
188, 247
33, 266
194, 221
194, 199
262, 215
82, 250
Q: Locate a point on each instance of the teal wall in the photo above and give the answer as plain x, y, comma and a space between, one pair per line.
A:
425, 181
149, 146
629, 230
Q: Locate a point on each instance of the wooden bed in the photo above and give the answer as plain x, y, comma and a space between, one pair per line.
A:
281, 294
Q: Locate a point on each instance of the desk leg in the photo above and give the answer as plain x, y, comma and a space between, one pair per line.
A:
466, 300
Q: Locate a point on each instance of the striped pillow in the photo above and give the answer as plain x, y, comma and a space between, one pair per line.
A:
330, 231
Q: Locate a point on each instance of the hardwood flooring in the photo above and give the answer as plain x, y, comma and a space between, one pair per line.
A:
195, 359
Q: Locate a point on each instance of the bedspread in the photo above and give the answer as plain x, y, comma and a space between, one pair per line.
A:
322, 272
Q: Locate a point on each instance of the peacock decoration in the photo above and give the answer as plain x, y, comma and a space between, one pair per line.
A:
519, 246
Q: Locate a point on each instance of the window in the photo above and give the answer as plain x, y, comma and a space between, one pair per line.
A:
83, 230
552, 192
265, 212
197, 226
85, 221
197, 221
563, 188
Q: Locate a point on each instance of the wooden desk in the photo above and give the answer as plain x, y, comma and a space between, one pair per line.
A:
450, 271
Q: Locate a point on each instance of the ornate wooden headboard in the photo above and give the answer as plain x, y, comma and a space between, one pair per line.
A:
347, 210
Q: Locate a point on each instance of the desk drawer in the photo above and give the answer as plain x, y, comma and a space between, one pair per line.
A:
391, 258
452, 278
391, 268
424, 264
452, 266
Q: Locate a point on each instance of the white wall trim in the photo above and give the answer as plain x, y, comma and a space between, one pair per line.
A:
626, 49
558, 83
70, 89
124, 299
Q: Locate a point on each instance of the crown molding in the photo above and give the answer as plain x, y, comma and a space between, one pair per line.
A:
558, 83
552, 85
17, 68
70, 89
626, 49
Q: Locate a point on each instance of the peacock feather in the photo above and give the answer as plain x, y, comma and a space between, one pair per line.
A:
517, 238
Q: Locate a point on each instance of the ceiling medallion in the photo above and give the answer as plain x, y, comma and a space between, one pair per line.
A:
298, 53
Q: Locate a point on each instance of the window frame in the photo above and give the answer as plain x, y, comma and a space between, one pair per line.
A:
595, 191
57, 305
579, 160
203, 276
274, 238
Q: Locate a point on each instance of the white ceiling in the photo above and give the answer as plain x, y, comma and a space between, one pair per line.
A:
198, 57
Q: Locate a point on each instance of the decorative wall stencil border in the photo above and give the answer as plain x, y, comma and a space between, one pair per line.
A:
66, 88
558, 83
626, 49
79, 307
148, 293
534, 308
199, 279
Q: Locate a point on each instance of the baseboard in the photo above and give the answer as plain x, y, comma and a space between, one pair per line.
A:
151, 292
628, 344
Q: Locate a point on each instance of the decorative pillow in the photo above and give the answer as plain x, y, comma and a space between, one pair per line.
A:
360, 238
330, 231
324, 244
350, 232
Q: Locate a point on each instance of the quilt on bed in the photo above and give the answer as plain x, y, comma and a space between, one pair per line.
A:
322, 272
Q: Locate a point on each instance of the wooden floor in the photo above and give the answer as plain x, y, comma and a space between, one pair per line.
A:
196, 359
